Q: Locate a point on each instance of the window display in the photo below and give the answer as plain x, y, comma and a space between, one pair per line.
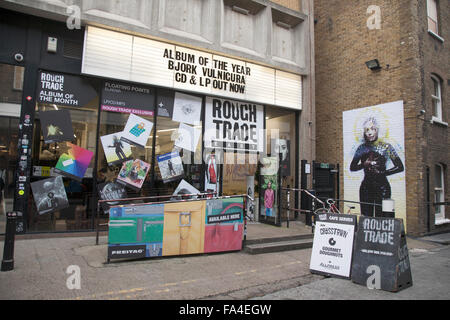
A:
150, 143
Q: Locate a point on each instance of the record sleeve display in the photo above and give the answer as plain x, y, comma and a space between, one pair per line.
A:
74, 163
49, 195
56, 126
116, 150
133, 173
170, 166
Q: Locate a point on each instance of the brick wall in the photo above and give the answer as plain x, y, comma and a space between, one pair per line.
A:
343, 44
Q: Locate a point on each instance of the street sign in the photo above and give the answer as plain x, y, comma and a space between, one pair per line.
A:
333, 245
381, 254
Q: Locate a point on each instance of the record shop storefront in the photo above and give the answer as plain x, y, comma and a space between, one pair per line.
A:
150, 118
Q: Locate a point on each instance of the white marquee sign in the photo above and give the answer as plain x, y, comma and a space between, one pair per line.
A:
126, 57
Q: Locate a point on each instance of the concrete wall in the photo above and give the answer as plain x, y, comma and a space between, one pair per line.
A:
207, 24
211, 25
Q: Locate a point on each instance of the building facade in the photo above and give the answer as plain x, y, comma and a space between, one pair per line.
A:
408, 91
77, 74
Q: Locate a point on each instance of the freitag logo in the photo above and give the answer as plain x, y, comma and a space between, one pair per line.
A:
138, 251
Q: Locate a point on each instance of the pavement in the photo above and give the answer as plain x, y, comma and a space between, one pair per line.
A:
44, 270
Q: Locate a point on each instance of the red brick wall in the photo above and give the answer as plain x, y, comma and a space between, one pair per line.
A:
343, 44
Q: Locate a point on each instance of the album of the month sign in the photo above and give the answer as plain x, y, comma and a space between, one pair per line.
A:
333, 245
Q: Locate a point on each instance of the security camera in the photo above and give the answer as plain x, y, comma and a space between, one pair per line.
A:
422, 111
18, 57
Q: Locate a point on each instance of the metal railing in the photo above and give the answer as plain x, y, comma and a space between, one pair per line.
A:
321, 201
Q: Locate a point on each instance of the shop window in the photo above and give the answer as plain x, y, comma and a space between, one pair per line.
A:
178, 137
53, 148
439, 191
237, 170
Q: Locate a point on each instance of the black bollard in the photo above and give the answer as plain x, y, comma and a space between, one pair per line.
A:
8, 251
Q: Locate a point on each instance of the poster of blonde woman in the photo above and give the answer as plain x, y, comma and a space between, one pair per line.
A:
374, 158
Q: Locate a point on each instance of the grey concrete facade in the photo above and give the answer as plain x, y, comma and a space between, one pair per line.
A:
264, 32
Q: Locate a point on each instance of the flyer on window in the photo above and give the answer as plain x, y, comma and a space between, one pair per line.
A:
170, 166
137, 131
187, 137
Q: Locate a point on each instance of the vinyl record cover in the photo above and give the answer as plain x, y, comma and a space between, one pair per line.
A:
133, 173
137, 131
187, 137
111, 191
56, 126
170, 166
74, 163
49, 195
187, 108
185, 188
116, 150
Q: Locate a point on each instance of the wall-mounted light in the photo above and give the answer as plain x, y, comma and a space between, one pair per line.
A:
373, 64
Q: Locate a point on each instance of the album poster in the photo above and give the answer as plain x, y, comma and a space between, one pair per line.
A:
111, 191
49, 195
269, 166
283, 147
212, 174
56, 126
188, 137
133, 173
116, 150
187, 108
74, 163
185, 188
170, 166
137, 131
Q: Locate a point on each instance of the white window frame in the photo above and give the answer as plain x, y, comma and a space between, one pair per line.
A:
436, 98
439, 193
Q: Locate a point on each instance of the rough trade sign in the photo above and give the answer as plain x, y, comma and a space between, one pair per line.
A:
381, 245
333, 245
233, 125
